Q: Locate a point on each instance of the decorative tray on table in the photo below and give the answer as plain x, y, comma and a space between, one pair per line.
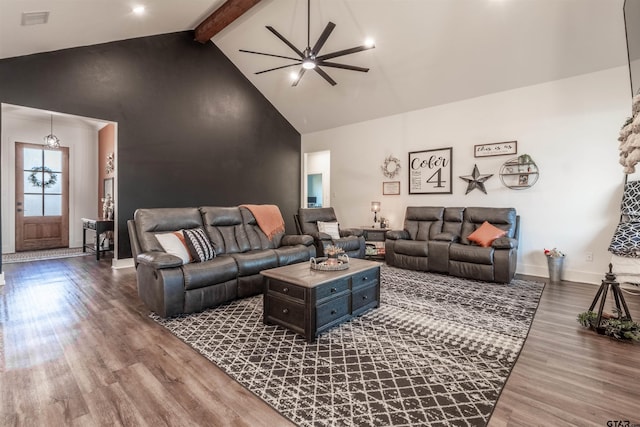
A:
330, 264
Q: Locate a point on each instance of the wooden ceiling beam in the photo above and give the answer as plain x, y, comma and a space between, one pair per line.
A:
221, 18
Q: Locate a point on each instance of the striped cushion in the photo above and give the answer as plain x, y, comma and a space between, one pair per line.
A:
200, 247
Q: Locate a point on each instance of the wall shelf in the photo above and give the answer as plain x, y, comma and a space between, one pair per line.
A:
519, 174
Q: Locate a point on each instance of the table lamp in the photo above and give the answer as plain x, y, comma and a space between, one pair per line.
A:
375, 208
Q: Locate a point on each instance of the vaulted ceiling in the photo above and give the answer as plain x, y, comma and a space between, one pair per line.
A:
428, 52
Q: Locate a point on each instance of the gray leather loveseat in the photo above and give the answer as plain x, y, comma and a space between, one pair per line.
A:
242, 251
436, 239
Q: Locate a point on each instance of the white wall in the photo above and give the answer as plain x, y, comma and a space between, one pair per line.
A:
570, 129
83, 175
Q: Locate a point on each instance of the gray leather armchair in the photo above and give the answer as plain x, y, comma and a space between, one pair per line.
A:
351, 240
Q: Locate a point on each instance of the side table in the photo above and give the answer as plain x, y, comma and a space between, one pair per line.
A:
99, 226
375, 238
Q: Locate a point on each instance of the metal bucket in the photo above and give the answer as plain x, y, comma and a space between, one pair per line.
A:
555, 268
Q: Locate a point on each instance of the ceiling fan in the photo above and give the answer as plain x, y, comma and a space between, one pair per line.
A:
309, 58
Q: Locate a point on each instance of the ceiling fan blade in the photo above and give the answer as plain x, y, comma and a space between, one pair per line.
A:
277, 68
285, 41
269, 54
297, 79
325, 76
323, 38
343, 66
343, 52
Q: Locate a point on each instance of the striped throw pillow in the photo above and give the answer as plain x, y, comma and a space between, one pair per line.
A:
200, 247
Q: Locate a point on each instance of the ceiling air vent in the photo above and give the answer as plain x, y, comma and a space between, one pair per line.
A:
34, 18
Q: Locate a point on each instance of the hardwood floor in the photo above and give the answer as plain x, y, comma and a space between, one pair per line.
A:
78, 348
570, 376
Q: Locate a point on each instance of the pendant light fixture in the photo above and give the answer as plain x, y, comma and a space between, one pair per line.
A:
51, 141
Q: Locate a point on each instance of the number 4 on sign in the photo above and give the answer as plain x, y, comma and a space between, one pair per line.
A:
438, 181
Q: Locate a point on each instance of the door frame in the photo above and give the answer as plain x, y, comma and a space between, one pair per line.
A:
19, 189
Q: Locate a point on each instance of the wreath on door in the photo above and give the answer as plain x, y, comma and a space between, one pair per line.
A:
38, 170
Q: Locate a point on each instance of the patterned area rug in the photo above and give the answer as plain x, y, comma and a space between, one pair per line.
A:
436, 352
40, 255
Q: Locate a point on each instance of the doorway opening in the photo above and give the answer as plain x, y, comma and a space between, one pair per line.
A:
316, 187
45, 193
314, 190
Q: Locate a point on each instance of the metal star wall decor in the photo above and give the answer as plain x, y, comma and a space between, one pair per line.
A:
476, 180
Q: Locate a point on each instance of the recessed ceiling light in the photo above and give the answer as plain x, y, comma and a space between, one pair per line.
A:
369, 42
35, 18
138, 10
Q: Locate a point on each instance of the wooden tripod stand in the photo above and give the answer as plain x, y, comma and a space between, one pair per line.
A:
621, 305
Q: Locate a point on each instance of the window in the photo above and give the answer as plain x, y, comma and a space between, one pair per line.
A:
42, 171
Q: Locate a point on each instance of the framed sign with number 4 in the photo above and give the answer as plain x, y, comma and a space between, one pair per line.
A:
430, 171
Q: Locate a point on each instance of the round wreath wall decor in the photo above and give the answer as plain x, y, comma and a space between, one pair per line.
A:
37, 170
390, 167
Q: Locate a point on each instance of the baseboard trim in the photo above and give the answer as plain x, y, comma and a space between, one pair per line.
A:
117, 264
569, 275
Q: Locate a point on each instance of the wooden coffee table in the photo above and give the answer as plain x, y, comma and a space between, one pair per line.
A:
308, 301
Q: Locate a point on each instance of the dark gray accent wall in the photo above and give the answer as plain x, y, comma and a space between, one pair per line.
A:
192, 130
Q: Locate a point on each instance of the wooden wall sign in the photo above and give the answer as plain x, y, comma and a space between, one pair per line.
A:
495, 149
430, 171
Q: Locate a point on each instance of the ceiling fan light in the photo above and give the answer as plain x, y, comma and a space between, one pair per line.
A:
310, 58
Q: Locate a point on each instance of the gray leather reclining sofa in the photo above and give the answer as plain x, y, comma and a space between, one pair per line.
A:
435, 239
242, 251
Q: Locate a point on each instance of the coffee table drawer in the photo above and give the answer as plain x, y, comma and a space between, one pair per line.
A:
332, 310
363, 297
285, 312
287, 289
365, 278
332, 289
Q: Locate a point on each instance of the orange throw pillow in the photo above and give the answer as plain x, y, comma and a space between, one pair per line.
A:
486, 234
